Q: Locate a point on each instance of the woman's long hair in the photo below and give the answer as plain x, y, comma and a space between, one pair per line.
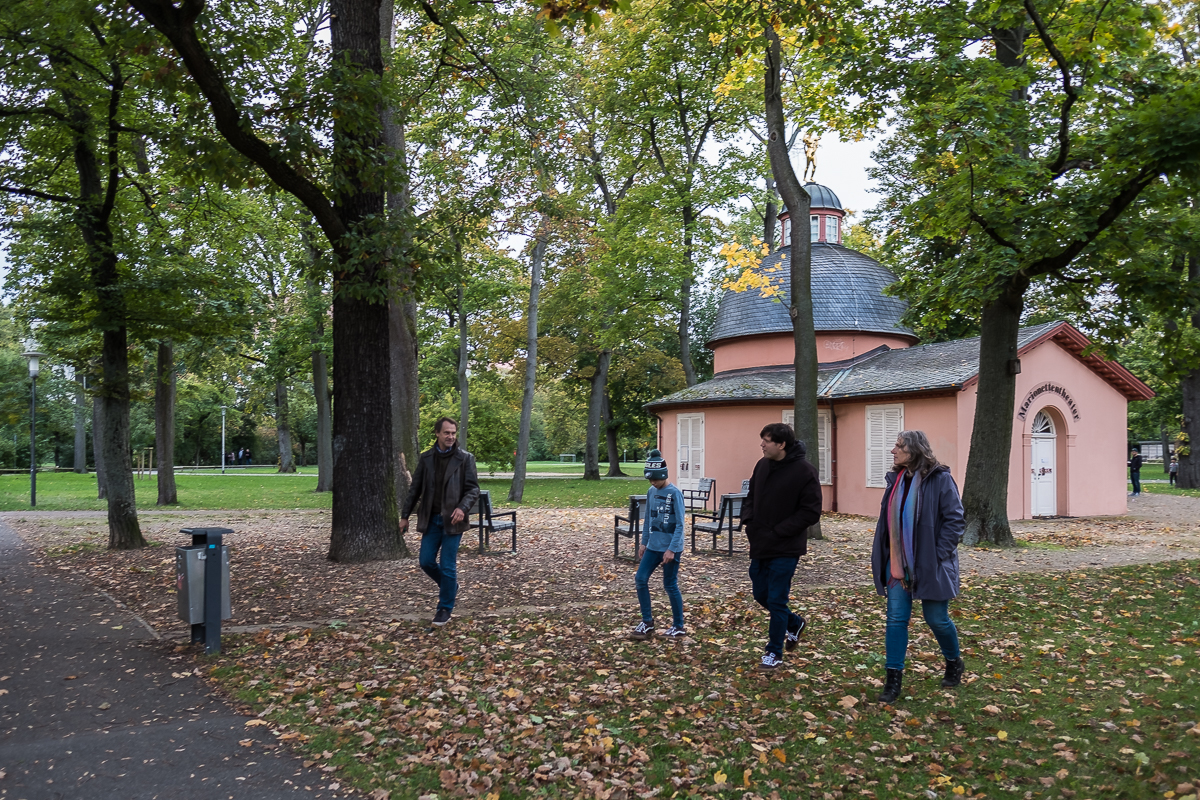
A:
920, 454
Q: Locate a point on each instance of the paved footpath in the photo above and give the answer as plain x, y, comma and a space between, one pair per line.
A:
93, 706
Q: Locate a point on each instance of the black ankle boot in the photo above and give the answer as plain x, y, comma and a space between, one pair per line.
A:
891, 689
954, 673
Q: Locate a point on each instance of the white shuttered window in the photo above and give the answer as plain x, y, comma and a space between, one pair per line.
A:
884, 423
824, 464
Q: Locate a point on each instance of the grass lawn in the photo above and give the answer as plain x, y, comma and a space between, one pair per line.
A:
67, 491
1156, 472
1079, 685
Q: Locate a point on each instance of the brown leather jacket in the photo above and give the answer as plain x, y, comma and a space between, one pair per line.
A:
462, 490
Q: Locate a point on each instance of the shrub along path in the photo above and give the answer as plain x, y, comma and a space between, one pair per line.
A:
1082, 683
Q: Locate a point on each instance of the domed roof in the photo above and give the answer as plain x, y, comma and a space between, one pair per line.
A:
847, 289
820, 197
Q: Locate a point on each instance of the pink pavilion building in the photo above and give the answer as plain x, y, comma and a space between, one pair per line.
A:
1068, 453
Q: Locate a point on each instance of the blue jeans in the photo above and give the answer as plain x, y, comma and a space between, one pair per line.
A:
771, 583
1135, 477
445, 575
670, 572
899, 612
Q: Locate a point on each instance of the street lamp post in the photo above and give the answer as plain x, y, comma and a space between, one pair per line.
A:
223, 439
32, 354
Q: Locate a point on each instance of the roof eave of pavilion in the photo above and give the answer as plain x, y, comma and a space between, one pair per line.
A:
1071, 339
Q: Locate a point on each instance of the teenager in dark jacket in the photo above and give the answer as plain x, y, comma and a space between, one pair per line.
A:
783, 501
445, 485
915, 555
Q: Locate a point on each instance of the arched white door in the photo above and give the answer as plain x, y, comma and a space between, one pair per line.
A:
1044, 487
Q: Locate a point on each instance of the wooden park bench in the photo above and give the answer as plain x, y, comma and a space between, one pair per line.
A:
490, 522
630, 526
727, 519
700, 496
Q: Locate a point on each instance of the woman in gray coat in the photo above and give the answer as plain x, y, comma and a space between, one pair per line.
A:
915, 555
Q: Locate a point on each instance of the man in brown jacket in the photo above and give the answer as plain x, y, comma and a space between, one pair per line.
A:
783, 501
446, 485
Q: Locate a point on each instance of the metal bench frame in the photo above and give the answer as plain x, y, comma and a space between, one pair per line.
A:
632, 527
727, 518
702, 494
490, 522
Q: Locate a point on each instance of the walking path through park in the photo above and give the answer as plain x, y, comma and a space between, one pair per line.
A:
94, 705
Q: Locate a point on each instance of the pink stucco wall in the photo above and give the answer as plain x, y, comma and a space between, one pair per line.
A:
1090, 451
731, 442
767, 351
934, 415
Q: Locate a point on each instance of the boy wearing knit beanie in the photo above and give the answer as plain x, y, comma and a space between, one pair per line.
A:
661, 545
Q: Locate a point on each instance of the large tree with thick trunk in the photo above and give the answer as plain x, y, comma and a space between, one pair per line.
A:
70, 89
1030, 163
800, 307
350, 212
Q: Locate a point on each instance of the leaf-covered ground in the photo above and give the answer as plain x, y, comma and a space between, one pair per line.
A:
1080, 684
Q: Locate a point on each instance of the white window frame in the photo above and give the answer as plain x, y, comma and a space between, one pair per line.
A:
836, 238
883, 424
824, 459
786, 232
814, 228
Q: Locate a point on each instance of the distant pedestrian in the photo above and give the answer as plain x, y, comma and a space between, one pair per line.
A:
444, 487
1172, 471
662, 545
782, 503
1135, 471
915, 555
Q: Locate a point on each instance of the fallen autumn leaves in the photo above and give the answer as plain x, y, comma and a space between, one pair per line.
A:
533, 689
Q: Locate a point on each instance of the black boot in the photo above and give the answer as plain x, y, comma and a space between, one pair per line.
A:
954, 673
891, 689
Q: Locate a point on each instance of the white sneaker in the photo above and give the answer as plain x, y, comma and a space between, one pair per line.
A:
643, 631
770, 662
674, 633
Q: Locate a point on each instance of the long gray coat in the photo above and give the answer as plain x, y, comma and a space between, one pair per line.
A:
939, 529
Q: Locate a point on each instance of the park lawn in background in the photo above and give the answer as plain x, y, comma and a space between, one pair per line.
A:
1079, 685
566, 492
68, 491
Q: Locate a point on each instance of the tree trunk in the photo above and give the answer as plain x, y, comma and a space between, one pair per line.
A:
402, 310
320, 379
164, 423
799, 260
610, 440
985, 486
124, 532
406, 392
283, 428
365, 522
770, 217
464, 389
97, 449
1188, 476
591, 453
685, 301
80, 423
517, 489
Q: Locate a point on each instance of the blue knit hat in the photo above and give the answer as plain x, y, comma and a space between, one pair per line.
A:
656, 466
